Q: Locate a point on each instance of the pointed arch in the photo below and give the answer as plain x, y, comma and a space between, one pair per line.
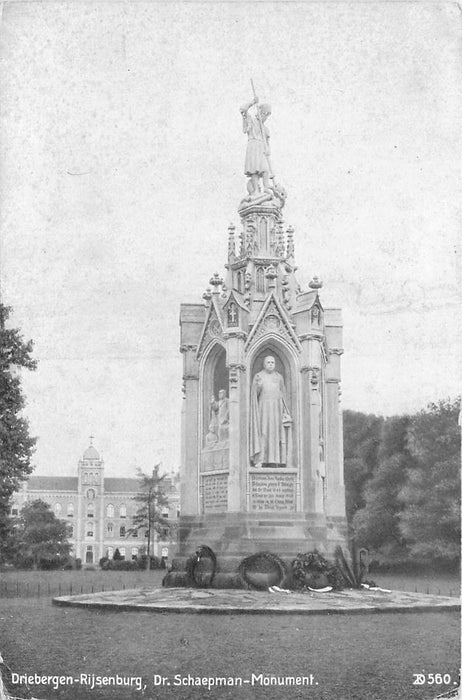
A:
260, 281
214, 375
287, 364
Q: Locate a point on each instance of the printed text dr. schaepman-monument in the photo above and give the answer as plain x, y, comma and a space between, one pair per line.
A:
91, 680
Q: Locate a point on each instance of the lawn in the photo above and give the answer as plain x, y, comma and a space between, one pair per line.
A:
352, 657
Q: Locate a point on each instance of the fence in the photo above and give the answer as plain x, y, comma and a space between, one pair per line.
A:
29, 589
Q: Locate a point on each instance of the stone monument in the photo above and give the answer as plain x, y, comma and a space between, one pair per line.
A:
262, 453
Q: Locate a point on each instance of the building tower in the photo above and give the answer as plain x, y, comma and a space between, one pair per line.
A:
262, 453
89, 533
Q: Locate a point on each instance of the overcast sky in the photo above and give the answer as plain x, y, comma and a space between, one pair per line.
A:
122, 165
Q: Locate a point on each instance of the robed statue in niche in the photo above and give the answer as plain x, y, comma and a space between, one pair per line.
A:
270, 419
219, 420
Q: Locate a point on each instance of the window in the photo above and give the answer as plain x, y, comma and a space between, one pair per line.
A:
122, 531
90, 530
134, 552
177, 512
165, 513
85, 478
123, 511
96, 478
135, 533
260, 279
70, 510
90, 510
57, 509
110, 511
110, 529
122, 552
110, 552
90, 494
239, 281
70, 531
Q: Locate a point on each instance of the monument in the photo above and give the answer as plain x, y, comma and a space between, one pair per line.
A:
262, 457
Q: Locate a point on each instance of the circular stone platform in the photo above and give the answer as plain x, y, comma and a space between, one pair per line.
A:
196, 600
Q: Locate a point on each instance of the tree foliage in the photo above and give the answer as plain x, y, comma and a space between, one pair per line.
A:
430, 520
153, 499
402, 481
377, 524
362, 435
16, 445
38, 538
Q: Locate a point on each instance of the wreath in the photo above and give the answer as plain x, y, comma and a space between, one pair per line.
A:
312, 570
199, 575
262, 570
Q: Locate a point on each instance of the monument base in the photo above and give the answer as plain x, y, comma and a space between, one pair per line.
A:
234, 536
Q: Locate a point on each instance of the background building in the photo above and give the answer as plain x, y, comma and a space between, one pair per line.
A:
99, 509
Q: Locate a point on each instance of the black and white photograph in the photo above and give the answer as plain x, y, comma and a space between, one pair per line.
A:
231, 349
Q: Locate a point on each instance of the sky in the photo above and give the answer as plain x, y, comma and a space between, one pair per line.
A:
122, 166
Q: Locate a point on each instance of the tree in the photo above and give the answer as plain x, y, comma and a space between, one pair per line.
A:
430, 519
16, 446
362, 436
149, 517
377, 524
38, 538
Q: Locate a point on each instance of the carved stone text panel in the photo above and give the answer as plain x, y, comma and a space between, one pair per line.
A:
214, 493
273, 492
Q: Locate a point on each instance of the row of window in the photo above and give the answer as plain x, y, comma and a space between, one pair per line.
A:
110, 510
90, 531
123, 552
89, 478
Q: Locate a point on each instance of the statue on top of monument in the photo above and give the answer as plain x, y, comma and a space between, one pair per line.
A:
257, 159
270, 420
257, 163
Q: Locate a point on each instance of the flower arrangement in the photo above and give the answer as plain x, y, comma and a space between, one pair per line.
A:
313, 570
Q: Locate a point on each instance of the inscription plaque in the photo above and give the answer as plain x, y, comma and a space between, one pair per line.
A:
276, 492
214, 493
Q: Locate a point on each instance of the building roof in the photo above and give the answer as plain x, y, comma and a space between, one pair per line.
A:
91, 453
70, 483
116, 484
52, 483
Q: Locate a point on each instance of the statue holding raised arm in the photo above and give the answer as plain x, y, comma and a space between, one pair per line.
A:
257, 165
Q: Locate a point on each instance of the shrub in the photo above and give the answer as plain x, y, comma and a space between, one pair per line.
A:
119, 565
155, 563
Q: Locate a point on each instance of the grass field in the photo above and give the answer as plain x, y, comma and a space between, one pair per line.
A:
362, 657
